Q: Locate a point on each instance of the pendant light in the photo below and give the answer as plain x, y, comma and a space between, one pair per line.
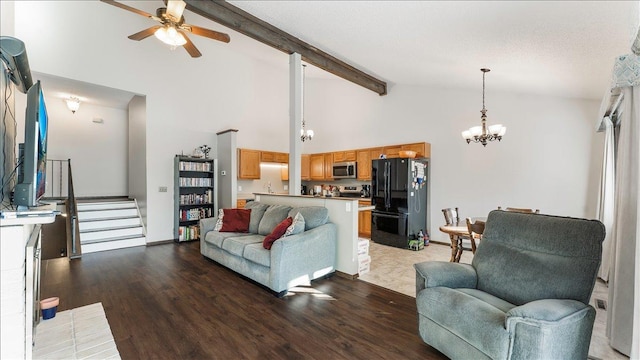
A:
304, 134
483, 134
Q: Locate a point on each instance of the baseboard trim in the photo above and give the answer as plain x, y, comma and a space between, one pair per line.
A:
346, 276
161, 242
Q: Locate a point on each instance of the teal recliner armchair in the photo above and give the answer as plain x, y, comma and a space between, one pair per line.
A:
524, 296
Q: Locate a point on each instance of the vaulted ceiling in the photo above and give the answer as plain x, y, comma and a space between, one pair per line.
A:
561, 48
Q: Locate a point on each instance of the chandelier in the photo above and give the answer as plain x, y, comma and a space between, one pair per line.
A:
482, 134
304, 134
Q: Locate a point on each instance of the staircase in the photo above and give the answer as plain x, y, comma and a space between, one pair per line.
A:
108, 225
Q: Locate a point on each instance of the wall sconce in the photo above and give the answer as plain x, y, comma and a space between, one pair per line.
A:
73, 103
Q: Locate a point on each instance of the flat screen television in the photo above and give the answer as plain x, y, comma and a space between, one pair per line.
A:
33, 155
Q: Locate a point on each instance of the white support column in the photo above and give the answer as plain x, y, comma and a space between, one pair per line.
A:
295, 123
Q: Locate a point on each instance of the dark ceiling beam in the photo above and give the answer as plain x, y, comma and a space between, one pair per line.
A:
241, 21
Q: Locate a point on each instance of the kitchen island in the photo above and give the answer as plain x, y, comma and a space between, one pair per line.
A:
343, 212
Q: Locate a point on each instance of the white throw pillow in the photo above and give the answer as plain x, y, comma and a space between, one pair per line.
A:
296, 227
219, 221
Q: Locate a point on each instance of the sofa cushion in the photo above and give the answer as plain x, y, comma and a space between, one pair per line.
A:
296, 227
257, 212
314, 216
277, 233
236, 245
272, 217
258, 254
437, 303
236, 220
217, 238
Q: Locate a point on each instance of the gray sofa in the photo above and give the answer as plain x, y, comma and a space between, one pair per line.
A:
524, 296
292, 260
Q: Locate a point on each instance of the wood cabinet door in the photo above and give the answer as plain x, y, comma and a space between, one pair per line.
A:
419, 148
267, 156
284, 172
392, 151
364, 223
305, 162
364, 165
248, 164
328, 166
281, 157
343, 156
375, 153
316, 166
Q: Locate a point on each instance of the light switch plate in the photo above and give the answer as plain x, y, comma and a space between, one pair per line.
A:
286, 187
348, 207
223, 173
162, 189
239, 188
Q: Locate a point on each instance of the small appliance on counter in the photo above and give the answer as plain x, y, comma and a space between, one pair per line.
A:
366, 191
349, 191
303, 190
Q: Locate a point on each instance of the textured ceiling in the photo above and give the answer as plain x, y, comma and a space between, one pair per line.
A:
563, 48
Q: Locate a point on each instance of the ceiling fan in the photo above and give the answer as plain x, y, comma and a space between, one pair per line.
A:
172, 29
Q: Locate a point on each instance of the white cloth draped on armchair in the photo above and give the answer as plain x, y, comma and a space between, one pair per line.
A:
623, 326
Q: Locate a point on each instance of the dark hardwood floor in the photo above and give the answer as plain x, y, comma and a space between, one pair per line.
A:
169, 302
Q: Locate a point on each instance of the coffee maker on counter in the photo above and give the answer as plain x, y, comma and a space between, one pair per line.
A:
366, 191
303, 190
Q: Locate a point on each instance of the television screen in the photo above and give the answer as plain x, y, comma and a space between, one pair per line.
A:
33, 157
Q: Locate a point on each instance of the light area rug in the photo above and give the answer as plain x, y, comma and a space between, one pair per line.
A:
80, 333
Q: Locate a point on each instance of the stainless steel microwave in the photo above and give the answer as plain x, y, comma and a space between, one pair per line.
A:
344, 170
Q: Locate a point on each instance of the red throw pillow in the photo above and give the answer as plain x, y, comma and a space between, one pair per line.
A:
277, 233
236, 220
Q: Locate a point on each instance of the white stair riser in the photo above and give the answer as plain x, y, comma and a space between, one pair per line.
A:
111, 245
101, 224
89, 215
97, 235
106, 205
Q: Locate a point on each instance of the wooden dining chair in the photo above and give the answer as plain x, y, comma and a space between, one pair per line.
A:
451, 216
521, 210
476, 229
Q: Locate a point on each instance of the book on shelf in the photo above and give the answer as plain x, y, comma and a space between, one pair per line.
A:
195, 182
194, 166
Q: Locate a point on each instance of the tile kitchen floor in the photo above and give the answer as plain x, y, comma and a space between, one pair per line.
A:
392, 268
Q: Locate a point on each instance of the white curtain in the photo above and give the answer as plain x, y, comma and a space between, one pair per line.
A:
624, 277
607, 197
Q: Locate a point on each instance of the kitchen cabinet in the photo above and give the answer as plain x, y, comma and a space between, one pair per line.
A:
392, 151
363, 158
328, 166
421, 149
240, 203
364, 220
248, 164
284, 172
375, 153
272, 156
305, 173
316, 166
343, 156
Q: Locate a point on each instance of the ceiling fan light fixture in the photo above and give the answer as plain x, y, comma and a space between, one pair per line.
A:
170, 36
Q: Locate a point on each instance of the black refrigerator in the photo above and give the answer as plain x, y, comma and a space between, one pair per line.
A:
399, 193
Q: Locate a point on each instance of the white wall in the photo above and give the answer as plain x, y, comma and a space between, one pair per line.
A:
188, 100
543, 162
98, 152
137, 153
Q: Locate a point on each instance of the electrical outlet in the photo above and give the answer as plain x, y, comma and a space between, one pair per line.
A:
162, 189
286, 187
239, 188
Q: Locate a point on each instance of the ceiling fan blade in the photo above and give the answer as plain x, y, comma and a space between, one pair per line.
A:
175, 8
191, 49
144, 33
208, 33
129, 8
